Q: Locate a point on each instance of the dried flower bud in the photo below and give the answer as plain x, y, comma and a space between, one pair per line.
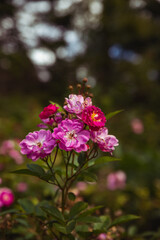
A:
54, 124
91, 95
79, 86
118, 213
88, 86
8, 216
45, 228
85, 80
70, 87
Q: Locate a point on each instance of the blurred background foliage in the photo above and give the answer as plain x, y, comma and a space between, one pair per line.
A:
47, 45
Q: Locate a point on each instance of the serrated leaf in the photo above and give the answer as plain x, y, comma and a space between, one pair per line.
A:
9, 211
88, 176
60, 228
82, 228
89, 212
111, 114
105, 159
71, 196
77, 209
27, 205
25, 171
102, 226
23, 222
70, 226
89, 219
35, 168
47, 176
82, 158
39, 212
123, 219
53, 211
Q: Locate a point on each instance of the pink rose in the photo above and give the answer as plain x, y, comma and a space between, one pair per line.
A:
116, 180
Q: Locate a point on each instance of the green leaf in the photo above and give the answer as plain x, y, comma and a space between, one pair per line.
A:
105, 159
123, 219
60, 228
25, 171
70, 226
89, 212
77, 209
71, 196
9, 211
48, 176
27, 205
23, 222
35, 168
53, 211
111, 114
83, 231
87, 176
89, 219
57, 105
102, 226
39, 212
82, 158
82, 228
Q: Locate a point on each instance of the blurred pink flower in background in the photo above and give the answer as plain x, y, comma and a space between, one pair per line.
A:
137, 126
116, 180
81, 186
16, 156
102, 236
8, 147
22, 187
6, 197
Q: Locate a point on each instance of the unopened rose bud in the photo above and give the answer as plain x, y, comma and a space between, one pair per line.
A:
86, 93
85, 80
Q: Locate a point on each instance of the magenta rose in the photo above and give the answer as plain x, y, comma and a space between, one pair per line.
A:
38, 144
93, 117
70, 135
48, 111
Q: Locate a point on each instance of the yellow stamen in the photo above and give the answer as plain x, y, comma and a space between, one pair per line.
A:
93, 116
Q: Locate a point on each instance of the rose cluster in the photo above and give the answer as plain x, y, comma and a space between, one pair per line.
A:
74, 128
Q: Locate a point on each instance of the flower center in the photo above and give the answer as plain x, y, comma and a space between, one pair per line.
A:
39, 144
94, 115
5, 197
71, 135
